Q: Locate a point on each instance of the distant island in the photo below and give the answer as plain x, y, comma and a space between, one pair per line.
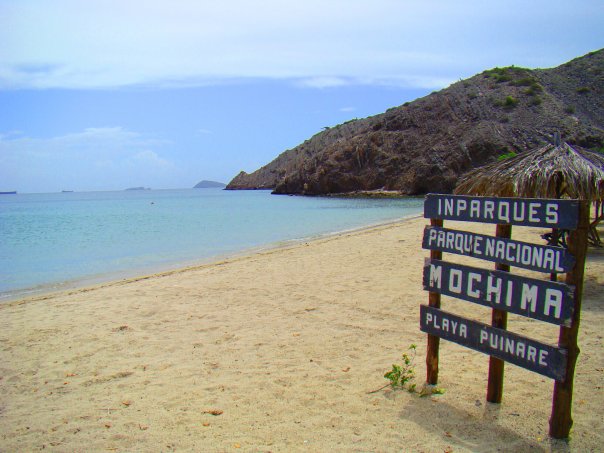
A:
139, 188
209, 185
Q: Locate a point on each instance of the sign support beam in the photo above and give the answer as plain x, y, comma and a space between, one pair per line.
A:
561, 420
499, 319
433, 340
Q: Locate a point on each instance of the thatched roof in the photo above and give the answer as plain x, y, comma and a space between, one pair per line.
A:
547, 172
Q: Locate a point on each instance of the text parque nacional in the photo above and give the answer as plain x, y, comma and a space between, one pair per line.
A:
522, 254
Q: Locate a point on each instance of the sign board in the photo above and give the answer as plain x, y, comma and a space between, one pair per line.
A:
534, 212
541, 258
545, 300
539, 357
505, 292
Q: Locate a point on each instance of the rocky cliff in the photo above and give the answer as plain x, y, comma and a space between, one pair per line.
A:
426, 145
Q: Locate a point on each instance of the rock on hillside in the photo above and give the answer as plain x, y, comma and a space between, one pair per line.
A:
426, 145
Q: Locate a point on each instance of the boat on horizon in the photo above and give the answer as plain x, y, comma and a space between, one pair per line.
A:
10, 192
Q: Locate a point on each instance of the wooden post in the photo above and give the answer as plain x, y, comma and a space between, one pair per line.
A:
433, 340
499, 318
561, 420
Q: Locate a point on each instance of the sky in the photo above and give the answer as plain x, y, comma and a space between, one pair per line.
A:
110, 94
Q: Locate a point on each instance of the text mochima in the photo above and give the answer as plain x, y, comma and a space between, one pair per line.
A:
539, 299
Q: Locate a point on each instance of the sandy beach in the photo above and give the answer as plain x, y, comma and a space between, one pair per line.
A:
277, 351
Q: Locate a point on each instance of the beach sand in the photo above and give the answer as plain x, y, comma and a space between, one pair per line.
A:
277, 351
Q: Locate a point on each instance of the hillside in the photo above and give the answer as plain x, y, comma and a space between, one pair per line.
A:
426, 145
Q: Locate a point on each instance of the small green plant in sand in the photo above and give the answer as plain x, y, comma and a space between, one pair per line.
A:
401, 375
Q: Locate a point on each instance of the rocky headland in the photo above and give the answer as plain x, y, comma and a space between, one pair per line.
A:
426, 145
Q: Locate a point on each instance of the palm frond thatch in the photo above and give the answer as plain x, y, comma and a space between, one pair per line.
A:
547, 172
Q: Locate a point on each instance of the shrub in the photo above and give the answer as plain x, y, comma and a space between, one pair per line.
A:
583, 90
507, 155
570, 109
524, 82
534, 89
510, 102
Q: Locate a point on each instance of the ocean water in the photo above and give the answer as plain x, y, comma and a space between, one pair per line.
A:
52, 241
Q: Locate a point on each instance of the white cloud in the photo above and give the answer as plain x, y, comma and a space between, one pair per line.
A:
324, 82
152, 159
93, 159
111, 43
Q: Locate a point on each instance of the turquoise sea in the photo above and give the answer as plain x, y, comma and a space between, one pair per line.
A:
57, 240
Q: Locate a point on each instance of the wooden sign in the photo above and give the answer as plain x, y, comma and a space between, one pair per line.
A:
547, 301
544, 300
539, 357
541, 258
534, 212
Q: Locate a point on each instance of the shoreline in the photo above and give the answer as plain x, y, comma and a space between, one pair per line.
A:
123, 277
279, 351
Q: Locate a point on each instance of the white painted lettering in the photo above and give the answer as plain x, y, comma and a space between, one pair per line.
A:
537, 257
518, 212
500, 250
473, 277
493, 289
484, 336
531, 354
549, 259
463, 331
526, 255
543, 357
504, 211
508, 294
490, 247
509, 346
534, 213
489, 208
551, 213
553, 299
529, 296
520, 349
477, 250
459, 243
436, 273
455, 277
558, 257
461, 206
450, 239
508, 255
